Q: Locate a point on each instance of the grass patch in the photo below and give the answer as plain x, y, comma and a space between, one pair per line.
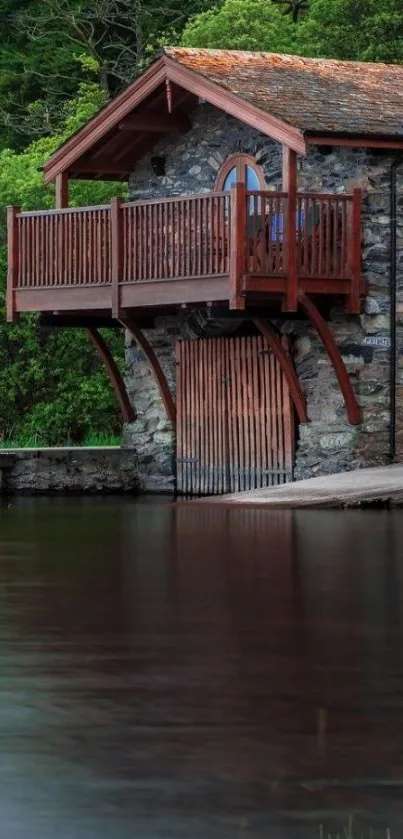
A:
92, 440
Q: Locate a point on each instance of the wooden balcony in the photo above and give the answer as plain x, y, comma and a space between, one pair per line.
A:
233, 248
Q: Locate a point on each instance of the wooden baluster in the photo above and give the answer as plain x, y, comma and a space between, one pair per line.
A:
238, 235
13, 278
117, 252
343, 254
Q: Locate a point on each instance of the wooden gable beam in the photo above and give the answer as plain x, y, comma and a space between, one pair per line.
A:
235, 106
156, 122
105, 120
162, 70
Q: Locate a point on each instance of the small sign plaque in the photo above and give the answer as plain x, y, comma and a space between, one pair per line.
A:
382, 341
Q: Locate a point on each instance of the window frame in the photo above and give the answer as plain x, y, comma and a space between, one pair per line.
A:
240, 162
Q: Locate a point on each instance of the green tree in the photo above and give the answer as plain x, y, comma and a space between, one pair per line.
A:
364, 30
44, 42
243, 25
52, 386
360, 30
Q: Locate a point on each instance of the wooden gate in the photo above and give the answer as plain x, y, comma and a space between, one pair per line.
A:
234, 417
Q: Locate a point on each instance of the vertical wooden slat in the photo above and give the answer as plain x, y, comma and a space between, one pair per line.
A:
212, 416
262, 410
257, 403
117, 253
280, 420
343, 252
179, 417
327, 220
288, 425
202, 384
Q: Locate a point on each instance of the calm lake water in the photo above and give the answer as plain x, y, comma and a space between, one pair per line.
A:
198, 673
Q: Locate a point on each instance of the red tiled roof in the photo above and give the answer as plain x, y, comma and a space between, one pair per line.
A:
311, 94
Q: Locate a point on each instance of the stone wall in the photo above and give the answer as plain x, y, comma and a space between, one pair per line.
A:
328, 443
89, 470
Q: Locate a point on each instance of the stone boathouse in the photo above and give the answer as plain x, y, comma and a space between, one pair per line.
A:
256, 267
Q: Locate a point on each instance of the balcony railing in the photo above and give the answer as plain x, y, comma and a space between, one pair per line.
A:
237, 235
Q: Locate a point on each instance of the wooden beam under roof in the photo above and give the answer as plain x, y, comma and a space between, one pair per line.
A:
161, 123
99, 166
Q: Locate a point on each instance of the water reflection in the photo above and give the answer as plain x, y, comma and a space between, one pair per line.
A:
174, 671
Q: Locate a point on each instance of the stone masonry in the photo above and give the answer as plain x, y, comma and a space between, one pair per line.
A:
328, 443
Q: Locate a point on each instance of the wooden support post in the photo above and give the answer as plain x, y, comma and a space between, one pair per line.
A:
290, 228
62, 191
354, 301
156, 368
117, 253
353, 410
277, 348
13, 260
237, 247
126, 408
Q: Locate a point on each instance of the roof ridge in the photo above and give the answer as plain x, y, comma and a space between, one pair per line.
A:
170, 51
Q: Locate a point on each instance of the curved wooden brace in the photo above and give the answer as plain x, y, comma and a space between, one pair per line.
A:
274, 342
353, 409
156, 368
114, 374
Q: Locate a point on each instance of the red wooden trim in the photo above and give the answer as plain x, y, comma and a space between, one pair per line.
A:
354, 301
105, 120
156, 122
240, 161
117, 253
353, 409
13, 260
363, 140
275, 344
155, 365
237, 246
290, 186
167, 68
114, 374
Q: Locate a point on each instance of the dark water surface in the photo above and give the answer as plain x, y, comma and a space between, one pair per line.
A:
198, 673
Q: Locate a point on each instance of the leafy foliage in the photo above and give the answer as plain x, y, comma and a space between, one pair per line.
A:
50, 47
52, 386
242, 25
365, 30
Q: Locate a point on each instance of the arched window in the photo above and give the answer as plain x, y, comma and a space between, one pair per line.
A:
241, 168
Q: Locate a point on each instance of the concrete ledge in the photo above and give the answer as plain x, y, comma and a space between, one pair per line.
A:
383, 484
107, 469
